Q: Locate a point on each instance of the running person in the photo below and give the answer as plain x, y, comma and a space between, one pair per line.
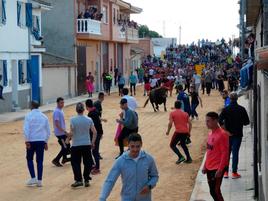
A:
217, 155
60, 133
183, 128
93, 114
195, 100
184, 98
130, 123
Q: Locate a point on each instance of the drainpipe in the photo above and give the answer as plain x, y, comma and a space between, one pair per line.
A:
29, 49
242, 28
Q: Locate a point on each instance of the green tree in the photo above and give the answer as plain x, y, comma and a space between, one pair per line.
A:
154, 34
144, 31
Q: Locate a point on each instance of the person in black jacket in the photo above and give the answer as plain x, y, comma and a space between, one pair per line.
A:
232, 119
94, 115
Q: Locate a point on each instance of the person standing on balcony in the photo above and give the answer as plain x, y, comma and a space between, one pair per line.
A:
80, 16
87, 14
132, 82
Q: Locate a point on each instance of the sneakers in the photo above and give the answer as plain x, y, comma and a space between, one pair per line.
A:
188, 140
188, 161
95, 171
226, 176
180, 160
39, 183
31, 182
87, 184
56, 163
65, 160
235, 175
77, 184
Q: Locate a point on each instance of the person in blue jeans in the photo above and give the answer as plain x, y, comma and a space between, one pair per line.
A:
138, 172
195, 100
132, 81
36, 133
184, 98
232, 119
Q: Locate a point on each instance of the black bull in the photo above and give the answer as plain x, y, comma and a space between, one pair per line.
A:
157, 96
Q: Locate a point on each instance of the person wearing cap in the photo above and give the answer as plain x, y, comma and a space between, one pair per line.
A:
36, 133
81, 145
129, 123
232, 119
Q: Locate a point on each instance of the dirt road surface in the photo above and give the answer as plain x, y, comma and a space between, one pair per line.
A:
175, 182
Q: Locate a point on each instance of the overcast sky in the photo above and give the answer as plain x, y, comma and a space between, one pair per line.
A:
208, 19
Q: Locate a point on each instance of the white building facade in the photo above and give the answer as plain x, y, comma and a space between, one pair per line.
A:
20, 53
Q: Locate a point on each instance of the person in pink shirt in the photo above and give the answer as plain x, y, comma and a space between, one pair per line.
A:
217, 156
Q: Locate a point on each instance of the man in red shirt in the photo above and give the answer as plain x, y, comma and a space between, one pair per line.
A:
217, 156
183, 128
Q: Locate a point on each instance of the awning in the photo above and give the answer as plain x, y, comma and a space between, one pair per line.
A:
252, 11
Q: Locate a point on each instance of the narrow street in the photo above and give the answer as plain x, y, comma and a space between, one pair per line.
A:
175, 183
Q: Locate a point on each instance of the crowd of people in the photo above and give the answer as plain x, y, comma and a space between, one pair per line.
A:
127, 23
179, 70
91, 13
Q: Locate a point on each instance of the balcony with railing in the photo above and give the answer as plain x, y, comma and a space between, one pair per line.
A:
132, 35
89, 26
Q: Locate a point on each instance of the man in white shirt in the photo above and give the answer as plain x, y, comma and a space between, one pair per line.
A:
36, 134
153, 82
132, 103
151, 72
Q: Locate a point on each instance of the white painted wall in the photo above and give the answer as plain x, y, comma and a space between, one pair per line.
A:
55, 83
13, 39
263, 82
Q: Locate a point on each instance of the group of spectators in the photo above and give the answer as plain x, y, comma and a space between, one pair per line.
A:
127, 23
91, 13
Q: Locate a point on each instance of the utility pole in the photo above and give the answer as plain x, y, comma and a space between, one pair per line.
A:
242, 28
164, 28
180, 35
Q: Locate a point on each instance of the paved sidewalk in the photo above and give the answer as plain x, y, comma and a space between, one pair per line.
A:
15, 116
232, 189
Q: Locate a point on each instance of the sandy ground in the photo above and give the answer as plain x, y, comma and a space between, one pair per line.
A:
175, 183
